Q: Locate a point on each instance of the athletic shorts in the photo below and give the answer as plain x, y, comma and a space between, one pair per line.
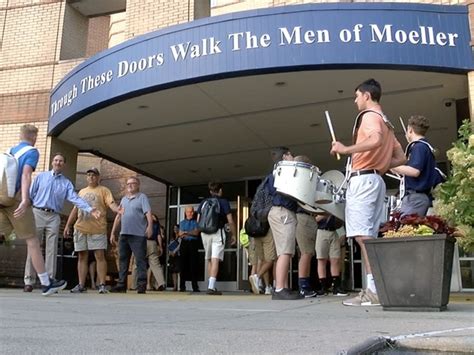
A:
214, 244
84, 242
306, 233
365, 205
283, 225
24, 226
328, 244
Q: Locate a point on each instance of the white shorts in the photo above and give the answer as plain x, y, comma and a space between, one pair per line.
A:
214, 244
365, 205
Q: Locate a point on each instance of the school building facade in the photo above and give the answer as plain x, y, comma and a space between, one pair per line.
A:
186, 91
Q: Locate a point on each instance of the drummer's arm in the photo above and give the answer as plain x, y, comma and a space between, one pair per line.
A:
398, 156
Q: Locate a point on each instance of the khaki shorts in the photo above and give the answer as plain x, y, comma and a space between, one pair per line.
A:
214, 245
253, 260
283, 225
83, 242
328, 245
24, 226
265, 247
306, 233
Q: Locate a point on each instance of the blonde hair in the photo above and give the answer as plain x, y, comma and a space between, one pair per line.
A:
28, 131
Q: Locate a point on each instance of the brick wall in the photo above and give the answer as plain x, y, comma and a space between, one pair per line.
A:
149, 15
98, 35
74, 34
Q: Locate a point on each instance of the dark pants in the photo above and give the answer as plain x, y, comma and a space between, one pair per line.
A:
189, 262
135, 244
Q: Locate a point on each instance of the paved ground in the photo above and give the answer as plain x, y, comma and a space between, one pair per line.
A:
172, 322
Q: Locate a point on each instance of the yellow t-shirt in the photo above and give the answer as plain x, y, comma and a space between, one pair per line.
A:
99, 197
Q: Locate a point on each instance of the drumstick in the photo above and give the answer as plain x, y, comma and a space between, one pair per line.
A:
331, 130
397, 177
403, 125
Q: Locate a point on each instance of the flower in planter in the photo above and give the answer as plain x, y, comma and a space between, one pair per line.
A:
414, 225
454, 199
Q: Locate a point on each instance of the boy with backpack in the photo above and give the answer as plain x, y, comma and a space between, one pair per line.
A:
16, 212
213, 213
420, 172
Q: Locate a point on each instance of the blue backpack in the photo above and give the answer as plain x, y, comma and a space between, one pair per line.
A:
209, 220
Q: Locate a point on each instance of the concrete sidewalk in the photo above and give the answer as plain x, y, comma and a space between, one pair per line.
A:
170, 322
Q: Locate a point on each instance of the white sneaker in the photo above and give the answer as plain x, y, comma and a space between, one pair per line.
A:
268, 290
253, 279
102, 289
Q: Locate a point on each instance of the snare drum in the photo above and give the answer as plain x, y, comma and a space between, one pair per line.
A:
297, 179
324, 191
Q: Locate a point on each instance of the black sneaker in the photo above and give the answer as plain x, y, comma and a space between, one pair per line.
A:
287, 294
118, 289
322, 292
213, 291
141, 290
338, 291
308, 293
53, 287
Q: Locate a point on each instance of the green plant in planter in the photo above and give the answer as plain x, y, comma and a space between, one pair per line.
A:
454, 199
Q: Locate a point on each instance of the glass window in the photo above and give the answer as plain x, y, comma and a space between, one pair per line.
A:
467, 273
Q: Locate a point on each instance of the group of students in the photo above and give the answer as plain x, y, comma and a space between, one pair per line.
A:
34, 211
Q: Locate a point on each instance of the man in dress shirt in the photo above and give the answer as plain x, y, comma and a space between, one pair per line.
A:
48, 192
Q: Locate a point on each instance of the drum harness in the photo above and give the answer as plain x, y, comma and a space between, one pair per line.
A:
357, 123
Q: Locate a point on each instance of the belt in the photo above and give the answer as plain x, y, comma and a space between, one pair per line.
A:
426, 192
363, 172
45, 209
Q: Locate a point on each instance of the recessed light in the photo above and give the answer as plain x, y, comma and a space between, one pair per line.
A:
280, 83
315, 125
128, 124
197, 140
238, 166
194, 171
142, 107
340, 91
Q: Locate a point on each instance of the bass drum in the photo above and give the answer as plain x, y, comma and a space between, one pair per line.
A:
297, 179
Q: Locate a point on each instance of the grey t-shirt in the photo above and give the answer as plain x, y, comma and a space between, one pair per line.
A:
134, 221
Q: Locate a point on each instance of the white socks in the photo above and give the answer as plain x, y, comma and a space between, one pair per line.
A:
371, 283
212, 283
44, 278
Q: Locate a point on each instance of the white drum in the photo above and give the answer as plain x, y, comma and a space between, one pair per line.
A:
335, 208
324, 191
297, 179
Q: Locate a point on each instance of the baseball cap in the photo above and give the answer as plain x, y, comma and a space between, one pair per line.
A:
93, 170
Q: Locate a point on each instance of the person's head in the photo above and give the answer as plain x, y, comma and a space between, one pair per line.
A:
417, 126
280, 153
302, 158
215, 188
29, 133
133, 185
189, 212
58, 162
367, 94
176, 229
93, 177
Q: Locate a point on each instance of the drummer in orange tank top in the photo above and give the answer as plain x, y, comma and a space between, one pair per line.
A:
374, 152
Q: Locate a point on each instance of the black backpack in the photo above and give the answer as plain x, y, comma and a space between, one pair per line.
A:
209, 220
262, 202
256, 228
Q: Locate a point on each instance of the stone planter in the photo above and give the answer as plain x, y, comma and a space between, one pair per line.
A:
412, 273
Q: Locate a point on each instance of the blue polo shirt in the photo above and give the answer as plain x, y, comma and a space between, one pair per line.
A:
134, 221
29, 158
187, 225
279, 199
421, 158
